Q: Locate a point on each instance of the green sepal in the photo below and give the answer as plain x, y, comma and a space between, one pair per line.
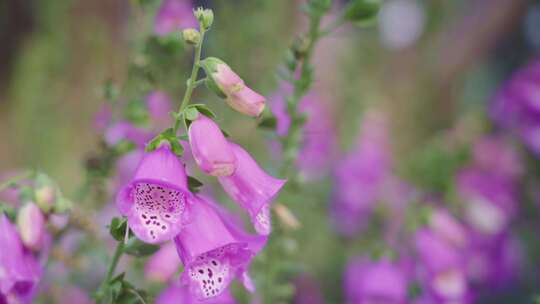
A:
362, 12
138, 248
194, 184
117, 228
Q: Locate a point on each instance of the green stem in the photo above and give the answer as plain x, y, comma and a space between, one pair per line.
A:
112, 268
10, 182
191, 83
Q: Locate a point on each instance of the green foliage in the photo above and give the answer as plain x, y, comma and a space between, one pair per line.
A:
362, 12
117, 228
166, 136
120, 291
138, 248
194, 184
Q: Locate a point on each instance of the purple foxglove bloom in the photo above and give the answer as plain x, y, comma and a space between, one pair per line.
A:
31, 224
103, 117
156, 201
238, 96
125, 167
446, 227
494, 154
516, 105
214, 251
444, 272
375, 282
360, 176
179, 294
210, 149
174, 15
490, 199
252, 188
159, 106
19, 269
163, 264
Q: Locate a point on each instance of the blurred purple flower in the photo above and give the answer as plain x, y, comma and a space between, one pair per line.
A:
210, 149
375, 282
252, 188
157, 198
31, 225
318, 146
103, 117
163, 264
73, 294
124, 130
174, 15
516, 106
214, 251
178, 294
159, 106
494, 154
307, 290
359, 177
20, 271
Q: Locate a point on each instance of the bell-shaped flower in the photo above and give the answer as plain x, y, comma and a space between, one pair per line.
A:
252, 188
174, 15
31, 224
375, 282
209, 147
176, 293
228, 84
163, 264
215, 251
156, 201
20, 271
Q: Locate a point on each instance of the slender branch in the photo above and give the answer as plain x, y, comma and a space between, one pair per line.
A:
112, 268
191, 83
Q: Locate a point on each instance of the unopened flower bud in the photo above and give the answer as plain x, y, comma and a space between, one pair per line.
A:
191, 36
31, 225
45, 198
205, 17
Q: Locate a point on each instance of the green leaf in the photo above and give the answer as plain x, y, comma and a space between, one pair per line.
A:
269, 122
117, 228
205, 110
138, 248
225, 133
362, 12
194, 184
8, 210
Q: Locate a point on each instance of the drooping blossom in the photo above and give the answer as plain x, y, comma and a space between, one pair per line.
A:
31, 225
252, 188
163, 264
157, 199
176, 293
380, 281
20, 270
209, 147
317, 148
214, 251
360, 176
442, 267
174, 15
516, 106
238, 96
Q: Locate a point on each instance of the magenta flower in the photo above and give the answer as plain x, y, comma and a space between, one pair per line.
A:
210, 149
103, 117
252, 188
443, 267
375, 282
494, 154
163, 264
156, 201
179, 294
238, 96
31, 224
214, 251
174, 15
20, 271
124, 130
360, 176
446, 227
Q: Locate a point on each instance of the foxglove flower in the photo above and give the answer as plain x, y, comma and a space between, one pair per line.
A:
228, 84
445, 273
174, 15
177, 293
360, 176
446, 227
214, 251
516, 105
163, 264
124, 130
318, 133
375, 282
31, 224
209, 147
252, 188
19, 269
156, 201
